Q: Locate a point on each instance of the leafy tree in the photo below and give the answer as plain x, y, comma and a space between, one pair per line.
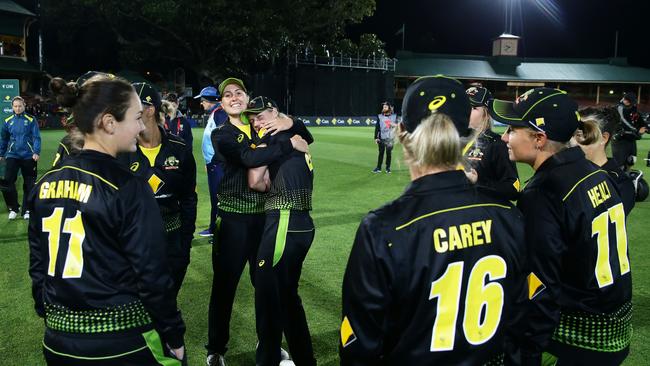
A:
211, 37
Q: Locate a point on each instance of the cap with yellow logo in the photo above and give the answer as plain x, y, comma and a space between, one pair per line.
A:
546, 110
148, 95
436, 94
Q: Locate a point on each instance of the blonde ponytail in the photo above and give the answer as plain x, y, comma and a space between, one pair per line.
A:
434, 143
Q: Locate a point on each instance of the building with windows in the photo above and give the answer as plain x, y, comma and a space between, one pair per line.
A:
589, 81
15, 22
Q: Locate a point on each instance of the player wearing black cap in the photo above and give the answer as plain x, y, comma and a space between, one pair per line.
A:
288, 234
579, 277
98, 276
488, 156
166, 163
432, 276
241, 210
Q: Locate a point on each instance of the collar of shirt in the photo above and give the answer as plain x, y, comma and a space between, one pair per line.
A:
437, 182
213, 108
563, 157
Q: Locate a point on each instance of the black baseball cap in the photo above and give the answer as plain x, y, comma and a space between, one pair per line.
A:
546, 110
478, 96
436, 93
260, 104
148, 95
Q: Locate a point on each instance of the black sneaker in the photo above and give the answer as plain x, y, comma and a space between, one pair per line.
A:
376, 170
388, 170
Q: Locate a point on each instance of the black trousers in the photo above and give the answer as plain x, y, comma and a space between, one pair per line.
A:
236, 239
278, 308
178, 258
106, 349
624, 151
215, 174
384, 145
27, 168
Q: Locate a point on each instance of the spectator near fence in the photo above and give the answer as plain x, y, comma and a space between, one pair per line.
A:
20, 145
385, 135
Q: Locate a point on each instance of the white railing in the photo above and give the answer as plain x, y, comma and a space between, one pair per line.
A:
386, 64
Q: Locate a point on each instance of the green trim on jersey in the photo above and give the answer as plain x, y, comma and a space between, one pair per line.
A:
596, 332
281, 236
156, 347
580, 181
449, 210
117, 318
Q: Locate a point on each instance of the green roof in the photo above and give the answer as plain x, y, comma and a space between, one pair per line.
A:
15, 64
11, 7
521, 69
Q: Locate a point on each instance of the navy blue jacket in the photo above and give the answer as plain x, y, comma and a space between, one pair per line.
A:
20, 137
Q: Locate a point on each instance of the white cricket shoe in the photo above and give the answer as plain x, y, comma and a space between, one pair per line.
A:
12, 215
284, 355
215, 359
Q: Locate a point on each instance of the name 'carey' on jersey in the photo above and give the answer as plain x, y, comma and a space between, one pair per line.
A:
462, 236
65, 189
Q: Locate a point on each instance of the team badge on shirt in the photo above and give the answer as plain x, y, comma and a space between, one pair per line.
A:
347, 334
171, 163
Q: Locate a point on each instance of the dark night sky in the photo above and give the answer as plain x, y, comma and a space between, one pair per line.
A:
584, 28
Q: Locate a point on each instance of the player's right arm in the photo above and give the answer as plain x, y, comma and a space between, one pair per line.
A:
237, 150
377, 135
545, 246
258, 179
366, 298
142, 237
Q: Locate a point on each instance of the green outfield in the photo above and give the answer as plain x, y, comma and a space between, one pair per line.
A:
345, 190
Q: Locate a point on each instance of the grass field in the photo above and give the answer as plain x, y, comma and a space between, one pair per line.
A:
345, 190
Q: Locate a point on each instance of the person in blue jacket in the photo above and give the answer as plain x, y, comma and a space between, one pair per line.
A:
216, 117
20, 145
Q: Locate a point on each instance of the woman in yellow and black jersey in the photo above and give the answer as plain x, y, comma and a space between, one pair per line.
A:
288, 234
98, 277
488, 155
433, 276
579, 276
241, 210
166, 163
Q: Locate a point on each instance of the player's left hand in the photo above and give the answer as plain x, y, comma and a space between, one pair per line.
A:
281, 123
35, 157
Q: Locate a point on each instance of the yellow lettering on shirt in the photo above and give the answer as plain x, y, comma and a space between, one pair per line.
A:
462, 236
599, 194
67, 189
